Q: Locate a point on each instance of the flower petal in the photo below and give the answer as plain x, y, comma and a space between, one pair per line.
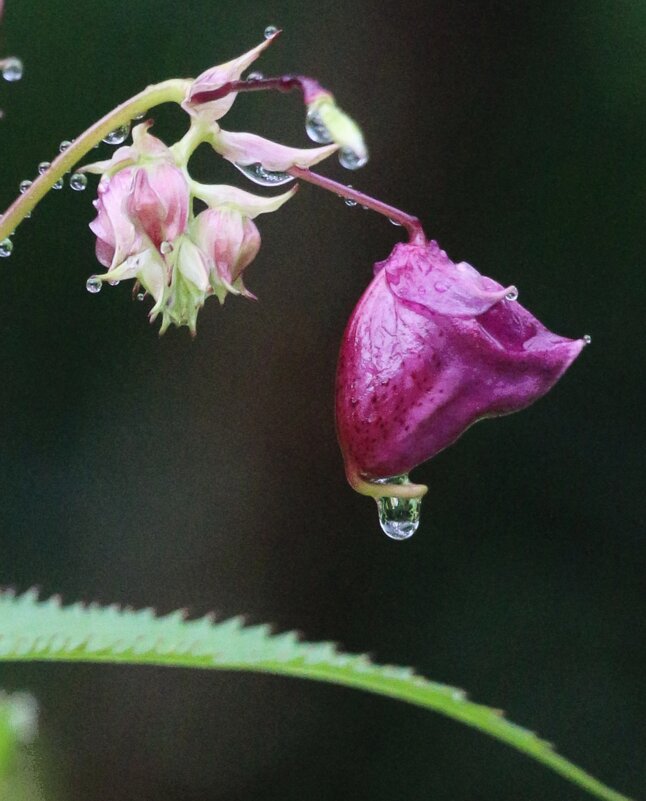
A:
246, 203
248, 148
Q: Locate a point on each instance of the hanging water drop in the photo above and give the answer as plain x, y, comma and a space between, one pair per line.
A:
259, 175
118, 136
270, 30
316, 129
78, 181
440, 287
43, 167
114, 283
350, 159
58, 185
166, 247
93, 284
398, 517
24, 186
64, 145
141, 296
587, 339
512, 293
394, 222
6, 246
12, 69
348, 200
255, 76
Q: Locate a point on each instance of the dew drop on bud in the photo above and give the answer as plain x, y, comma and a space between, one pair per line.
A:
6, 247
259, 175
118, 136
43, 167
78, 181
512, 294
586, 337
270, 30
12, 69
398, 517
255, 76
64, 145
166, 247
316, 129
351, 160
24, 186
93, 284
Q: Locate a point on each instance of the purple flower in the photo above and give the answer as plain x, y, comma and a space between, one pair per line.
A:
431, 348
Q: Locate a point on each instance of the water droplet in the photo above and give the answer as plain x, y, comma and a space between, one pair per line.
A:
351, 160
316, 129
6, 246
141, 296
586, 337
166, 247
58, 184
512, 294
255, 76
118, 136
398, 517
259, 175
348, 200
64, 145
12, 69
440, 287
78, 181
24, 186
44, 166
270, 30
114, 283
93, 284
140, 116
394, 222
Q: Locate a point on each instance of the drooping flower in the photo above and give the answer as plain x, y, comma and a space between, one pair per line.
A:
431, 348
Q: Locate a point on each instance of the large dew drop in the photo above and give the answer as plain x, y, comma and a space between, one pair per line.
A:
6, 248
259, 175
398, 517
78, 181
93, 284
351, 160
12, 69
118, 136
316, 129
270, 30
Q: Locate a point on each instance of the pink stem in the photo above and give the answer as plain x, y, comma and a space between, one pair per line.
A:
310, 88
410, 223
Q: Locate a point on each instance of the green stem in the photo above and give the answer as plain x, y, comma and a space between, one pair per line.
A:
172, 91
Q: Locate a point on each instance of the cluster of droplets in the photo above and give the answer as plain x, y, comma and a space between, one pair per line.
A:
318, 132
398, 517
12, 69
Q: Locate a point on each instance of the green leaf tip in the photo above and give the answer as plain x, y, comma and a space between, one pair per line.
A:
33, 630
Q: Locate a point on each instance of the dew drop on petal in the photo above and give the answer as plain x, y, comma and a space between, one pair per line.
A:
351, 160
64, 145
6, 247
398, 517
24, 186
512, 294
166, 247
78, 181
587, 339
118, 136
43, 167
270, 30
259, 175
93, 284
316, 129
12, 69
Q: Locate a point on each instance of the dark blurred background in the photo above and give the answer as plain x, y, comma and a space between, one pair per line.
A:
205, 474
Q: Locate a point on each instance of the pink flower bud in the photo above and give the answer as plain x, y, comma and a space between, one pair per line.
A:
431, 348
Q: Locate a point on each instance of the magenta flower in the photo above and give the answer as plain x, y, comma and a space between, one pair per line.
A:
431, 348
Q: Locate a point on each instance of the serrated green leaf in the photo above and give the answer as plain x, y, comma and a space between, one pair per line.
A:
33, 630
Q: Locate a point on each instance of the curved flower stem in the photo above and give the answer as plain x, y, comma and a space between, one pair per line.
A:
410, 223
165, 92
